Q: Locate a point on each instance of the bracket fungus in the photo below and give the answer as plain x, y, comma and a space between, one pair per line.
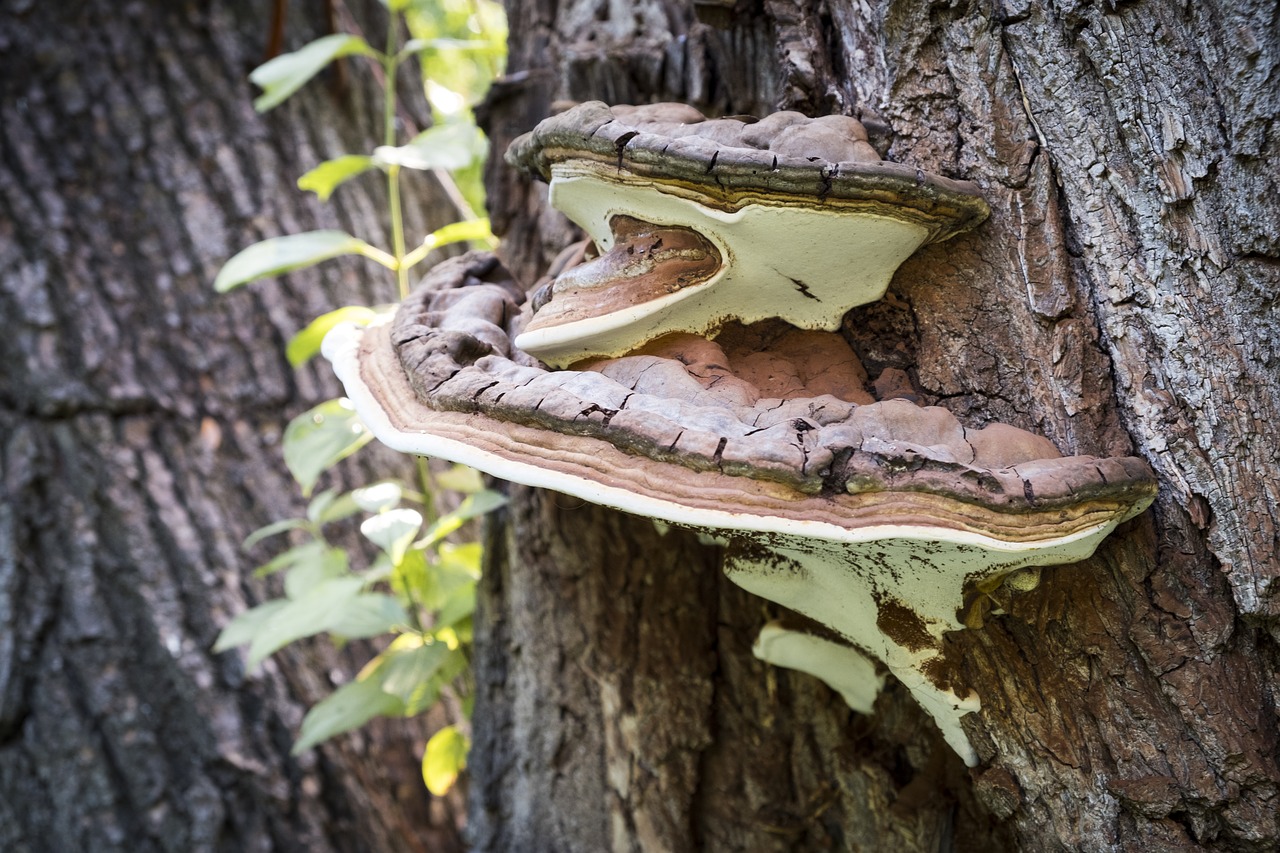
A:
700, 221
886, 522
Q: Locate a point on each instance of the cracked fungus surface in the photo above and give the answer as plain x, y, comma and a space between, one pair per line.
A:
786, 156
767, 402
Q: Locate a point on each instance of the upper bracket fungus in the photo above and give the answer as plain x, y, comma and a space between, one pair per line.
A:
699, 221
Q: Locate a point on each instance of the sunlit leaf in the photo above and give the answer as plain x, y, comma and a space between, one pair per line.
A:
306, 344
368, 615
456, 232
448, 146
272, 529
476, 504
280, 255
351, 706
317, 611
379, 496
397, 5
318, 438
244, 627
445, 758
460, 478
393, 530
285, 74
329, 175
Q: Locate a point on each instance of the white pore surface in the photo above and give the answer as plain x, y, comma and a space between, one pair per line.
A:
773, 256
842, 667
840, 585
827, 572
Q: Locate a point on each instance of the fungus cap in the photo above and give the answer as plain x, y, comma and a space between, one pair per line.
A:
801, 219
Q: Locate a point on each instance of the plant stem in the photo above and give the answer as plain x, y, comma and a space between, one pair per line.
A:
390, 65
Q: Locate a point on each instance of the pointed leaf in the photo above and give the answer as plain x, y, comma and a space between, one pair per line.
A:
318, 438
393, 531
306, 575
272, 529
476, 504
312, 549
409, 668
287, 73
314, 612
244, 627
445, 758
460, 604
449, 146
343, 506
280, 255
306, 343
351, 706
329, 175
368, 615
456, 232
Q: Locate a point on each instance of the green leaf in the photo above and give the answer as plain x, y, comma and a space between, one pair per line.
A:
460, 604
325, 178
287, 73
272, 529
280, 255
368, 615
410, 667
456, 232
306, 343
343, 506
306, 575
474, 505
318, 610
351, 706
460, 478
393, 531
397, 5
320, 437
445, 758
308, 551
245, 627
449, 146
379, 496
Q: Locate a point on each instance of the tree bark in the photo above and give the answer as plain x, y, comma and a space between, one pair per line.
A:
1121, 299
140, 425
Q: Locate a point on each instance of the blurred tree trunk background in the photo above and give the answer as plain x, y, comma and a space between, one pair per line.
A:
140, 425
1121, 299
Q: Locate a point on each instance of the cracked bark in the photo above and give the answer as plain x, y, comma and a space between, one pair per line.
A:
1120, 300
140, 421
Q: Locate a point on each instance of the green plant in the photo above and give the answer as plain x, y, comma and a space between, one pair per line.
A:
419, 587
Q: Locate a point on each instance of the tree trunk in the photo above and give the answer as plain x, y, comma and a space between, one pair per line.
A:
140, 424
1121, 299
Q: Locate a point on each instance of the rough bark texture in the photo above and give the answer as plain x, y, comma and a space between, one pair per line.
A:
140, 423
1121, 299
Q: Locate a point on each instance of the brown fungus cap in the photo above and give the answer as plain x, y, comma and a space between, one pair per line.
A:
785, 157
679, 423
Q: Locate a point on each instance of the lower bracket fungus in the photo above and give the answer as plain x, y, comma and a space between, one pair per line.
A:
877, 519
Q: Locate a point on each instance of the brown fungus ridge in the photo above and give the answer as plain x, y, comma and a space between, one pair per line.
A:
647, 261
785, 157
679, 421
